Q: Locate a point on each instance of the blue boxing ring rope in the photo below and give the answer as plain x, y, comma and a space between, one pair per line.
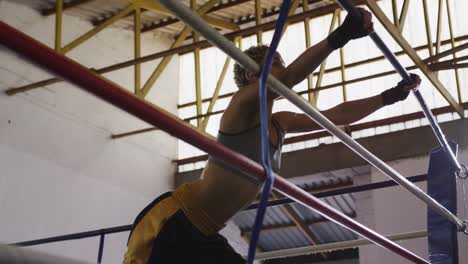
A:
264, 125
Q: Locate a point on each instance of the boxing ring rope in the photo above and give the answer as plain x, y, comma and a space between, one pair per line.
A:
323, 248
198, 24
110, 92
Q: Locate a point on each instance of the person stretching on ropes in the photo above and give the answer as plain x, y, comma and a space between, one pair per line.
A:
182, 226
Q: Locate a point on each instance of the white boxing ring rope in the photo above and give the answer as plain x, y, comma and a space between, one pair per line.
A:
323, 248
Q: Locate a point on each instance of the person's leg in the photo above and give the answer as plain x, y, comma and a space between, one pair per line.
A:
146, 227
180, 242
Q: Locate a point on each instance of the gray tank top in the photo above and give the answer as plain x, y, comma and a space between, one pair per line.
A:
247, 143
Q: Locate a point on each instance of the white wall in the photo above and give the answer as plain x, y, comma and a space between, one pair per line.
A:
60, 171
394, 210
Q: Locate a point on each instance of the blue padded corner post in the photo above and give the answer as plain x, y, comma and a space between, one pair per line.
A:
442, 186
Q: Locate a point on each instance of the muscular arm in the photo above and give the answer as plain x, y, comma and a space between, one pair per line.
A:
306, 63
351, 111
342, 114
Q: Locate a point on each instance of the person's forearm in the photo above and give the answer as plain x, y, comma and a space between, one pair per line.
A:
306, 63
353, 111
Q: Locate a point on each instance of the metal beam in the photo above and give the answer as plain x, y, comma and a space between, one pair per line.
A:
221, 24
446, 53
189, 48
96, 30
448, 64
157, 7
411, 52
294, 5
427, 23
172, 20
343, 83
221, 6
66, 6
439, 26
197, 68
403, 15
258, 20
183, 35
182, 49
342, 68
454, 55
137, 48
203, 44
214, 98
395, 12
316, 89
292, 215
58, 25
315, 94
450, 67
310, 80
246, 32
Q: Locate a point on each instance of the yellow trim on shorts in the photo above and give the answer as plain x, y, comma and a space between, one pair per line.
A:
199, 218
142, 239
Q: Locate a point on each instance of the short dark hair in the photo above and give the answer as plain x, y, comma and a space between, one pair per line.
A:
257, 53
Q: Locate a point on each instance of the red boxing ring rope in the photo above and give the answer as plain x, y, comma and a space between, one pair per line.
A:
110, 92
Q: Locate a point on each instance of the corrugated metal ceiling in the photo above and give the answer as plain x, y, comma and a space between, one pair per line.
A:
280, 232
98, 10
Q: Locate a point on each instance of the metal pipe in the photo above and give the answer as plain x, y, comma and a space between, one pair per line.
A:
218, 40
108, 91
300, 251
405, 75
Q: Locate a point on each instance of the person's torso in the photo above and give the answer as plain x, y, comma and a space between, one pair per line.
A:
248, 142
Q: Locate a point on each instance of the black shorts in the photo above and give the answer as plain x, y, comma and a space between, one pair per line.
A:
178, 241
